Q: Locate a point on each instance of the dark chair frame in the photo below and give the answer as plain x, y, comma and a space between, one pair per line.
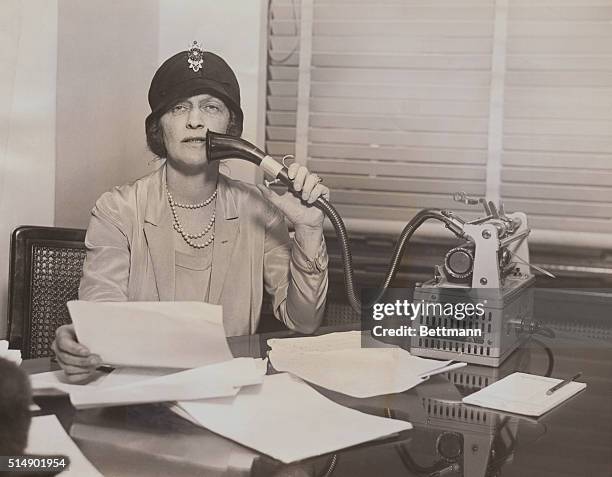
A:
23, 241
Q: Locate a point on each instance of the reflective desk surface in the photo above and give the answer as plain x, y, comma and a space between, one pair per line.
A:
448, 439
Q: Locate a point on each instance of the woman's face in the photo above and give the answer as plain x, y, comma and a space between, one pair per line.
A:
184, 128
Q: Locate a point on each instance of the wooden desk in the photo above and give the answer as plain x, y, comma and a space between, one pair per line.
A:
574, 439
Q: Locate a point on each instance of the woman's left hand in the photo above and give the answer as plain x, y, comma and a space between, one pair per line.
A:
297, 207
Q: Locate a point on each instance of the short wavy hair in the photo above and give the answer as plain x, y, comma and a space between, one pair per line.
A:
155, 135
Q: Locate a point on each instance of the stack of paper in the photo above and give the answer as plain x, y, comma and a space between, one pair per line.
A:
139, 385
522, 393
288, 420
216, 380
47, 437
13, 355
152, 334
337, 362
148, 342
53, 382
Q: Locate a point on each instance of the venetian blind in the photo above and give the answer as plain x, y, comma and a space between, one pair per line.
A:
557, 157
409, 101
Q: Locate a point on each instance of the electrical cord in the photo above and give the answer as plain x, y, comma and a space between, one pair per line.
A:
544, 331
549, 353
333, 462
533, 328
536, 328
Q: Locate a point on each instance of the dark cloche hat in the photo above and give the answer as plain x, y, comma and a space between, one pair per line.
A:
190, 73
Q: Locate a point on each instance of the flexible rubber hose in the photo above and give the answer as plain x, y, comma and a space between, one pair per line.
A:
400, 246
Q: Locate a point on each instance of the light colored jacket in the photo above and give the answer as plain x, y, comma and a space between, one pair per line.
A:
130, 255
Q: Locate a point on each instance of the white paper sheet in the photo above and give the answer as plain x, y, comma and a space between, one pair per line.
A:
46, 383
337, 362
327, 342
127, 375
288, 420
522, 393
152, 334
212, 381
47, 437
146, 385
13, 355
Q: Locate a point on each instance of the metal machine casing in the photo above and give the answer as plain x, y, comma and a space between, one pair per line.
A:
500, 280
499, 325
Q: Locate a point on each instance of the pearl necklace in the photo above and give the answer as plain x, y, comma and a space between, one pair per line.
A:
187, 237
193, 206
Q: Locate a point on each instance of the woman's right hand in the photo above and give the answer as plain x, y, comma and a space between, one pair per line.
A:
74, 358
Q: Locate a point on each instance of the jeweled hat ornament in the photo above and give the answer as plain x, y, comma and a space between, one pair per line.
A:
195, 56
189, 73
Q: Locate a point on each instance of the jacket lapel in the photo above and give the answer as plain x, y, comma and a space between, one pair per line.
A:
226, 232
158, 232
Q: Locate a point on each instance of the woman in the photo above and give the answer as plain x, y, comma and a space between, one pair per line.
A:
186, 232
